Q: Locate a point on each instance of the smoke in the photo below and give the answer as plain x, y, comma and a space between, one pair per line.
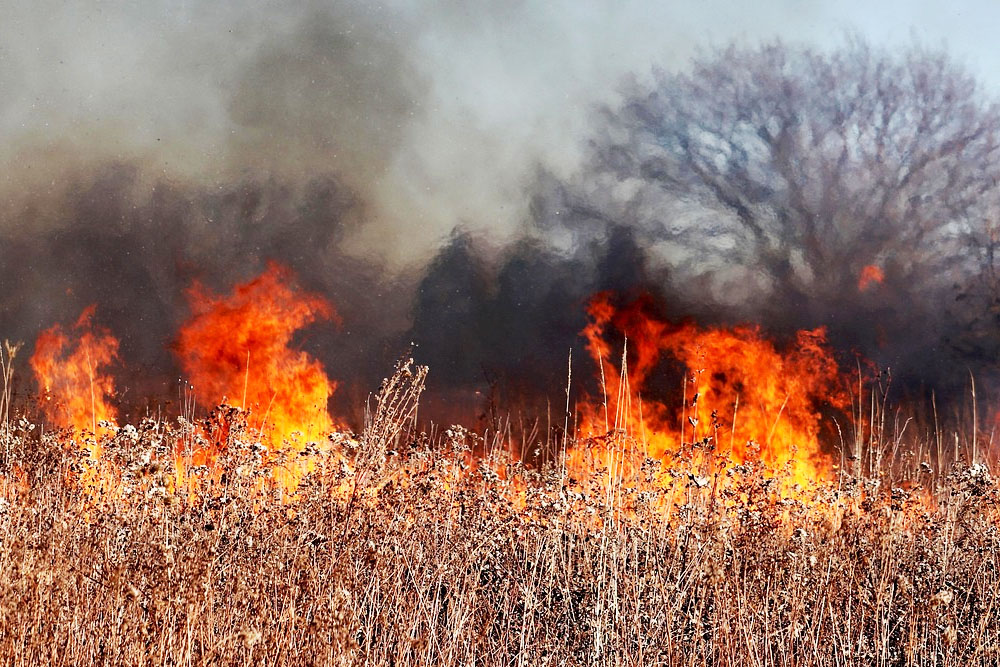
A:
134, 250
408, 160
146, 146
433, 114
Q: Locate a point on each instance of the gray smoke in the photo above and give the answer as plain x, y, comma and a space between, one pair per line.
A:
148, 145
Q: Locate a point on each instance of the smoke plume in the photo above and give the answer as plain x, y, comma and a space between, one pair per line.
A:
434, 169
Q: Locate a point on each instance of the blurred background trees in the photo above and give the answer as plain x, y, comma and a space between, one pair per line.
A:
855, 188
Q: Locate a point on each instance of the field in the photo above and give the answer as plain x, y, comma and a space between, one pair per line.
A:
401, 547
499, 334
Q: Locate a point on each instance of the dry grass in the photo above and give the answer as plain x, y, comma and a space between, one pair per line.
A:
404, 548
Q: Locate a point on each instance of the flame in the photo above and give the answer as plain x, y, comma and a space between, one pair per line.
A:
237, 350
71, 373
742, 398
870, 275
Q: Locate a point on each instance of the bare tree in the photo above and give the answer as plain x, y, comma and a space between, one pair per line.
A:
799, 168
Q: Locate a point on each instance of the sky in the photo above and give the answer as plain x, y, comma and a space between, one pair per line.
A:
436, 113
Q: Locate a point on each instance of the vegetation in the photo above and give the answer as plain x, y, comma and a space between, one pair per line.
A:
401, 547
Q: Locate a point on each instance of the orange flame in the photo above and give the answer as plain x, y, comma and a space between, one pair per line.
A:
870, 275
71, 374
237, 349
743, 398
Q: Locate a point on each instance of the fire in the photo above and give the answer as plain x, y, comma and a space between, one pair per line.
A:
743, 399
237, 350
71, 371
870, 275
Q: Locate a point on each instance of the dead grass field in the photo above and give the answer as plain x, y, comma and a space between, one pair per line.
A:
402, 548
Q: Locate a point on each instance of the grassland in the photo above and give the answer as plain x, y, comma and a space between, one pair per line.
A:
408, 548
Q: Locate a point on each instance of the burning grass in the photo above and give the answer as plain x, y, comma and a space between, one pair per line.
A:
402, 547
720, 531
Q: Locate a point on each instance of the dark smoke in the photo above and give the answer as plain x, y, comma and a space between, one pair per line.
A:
497, 325
275, 146
349, 143
134, 252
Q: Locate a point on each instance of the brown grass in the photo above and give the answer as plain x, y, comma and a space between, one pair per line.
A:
404, 548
